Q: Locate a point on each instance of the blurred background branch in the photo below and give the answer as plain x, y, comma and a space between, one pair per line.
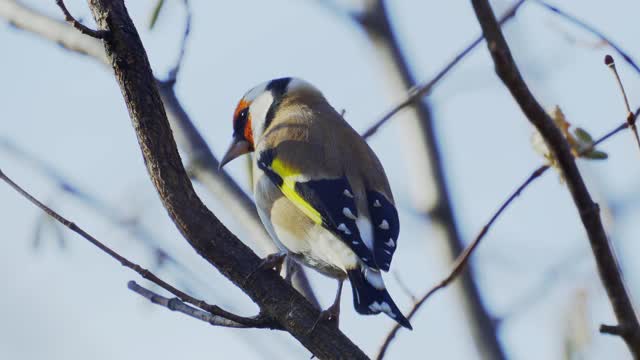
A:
199, 159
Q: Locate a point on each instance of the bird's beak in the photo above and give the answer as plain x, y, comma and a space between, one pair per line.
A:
238, 147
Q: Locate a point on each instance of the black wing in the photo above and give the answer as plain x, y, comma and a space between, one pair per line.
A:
386, 227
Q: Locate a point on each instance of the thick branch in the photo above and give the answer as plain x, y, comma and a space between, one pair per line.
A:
199, 226
203, 166
608, 268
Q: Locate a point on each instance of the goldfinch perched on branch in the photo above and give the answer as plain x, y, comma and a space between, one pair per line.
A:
320, 190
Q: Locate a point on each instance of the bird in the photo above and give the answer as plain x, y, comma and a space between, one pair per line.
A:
320, 191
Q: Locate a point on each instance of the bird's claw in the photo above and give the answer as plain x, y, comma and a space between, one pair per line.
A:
271, 261
331, 315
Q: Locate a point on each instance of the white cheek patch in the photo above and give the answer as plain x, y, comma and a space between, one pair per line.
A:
258, 110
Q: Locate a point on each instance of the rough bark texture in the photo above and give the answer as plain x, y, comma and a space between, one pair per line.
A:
608, 268
199, 226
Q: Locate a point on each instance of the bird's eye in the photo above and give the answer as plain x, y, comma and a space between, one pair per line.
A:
241, 121
243, 114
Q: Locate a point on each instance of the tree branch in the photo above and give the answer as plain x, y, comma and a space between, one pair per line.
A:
462, 260
76, 24
146, 274
133, 226
592, 30
173, 73
203, 165
429, 188
416, 92
608, 268
200, 227
176, 305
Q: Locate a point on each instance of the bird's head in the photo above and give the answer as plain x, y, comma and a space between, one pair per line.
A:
256, 110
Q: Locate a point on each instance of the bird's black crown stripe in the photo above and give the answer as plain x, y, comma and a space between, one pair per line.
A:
278, 88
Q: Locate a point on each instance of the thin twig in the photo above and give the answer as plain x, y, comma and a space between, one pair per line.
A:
592, 30
604, 255
631, 120
175, 304
134, 228
173, 73
98, 34
463, 259
213, 309
423, 89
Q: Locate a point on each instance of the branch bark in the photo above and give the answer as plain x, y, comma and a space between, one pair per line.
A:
200, 227
610, 273
203, 165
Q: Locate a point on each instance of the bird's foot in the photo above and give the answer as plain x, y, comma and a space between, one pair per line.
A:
272, 261
291, 269
331, 315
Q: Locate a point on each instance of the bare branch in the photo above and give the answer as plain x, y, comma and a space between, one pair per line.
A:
146, 274
176, 305
203, 165
135, 228
418, 91
57, 31
173, 73
76, 24
200, 227
609, 270
631, 120
429, 187
592, 30
463, 259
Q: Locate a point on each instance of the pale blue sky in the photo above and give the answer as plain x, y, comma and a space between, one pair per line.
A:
67, 110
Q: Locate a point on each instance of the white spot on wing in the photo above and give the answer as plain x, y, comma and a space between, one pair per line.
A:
366, 231
381, 307
347, 212
377, 204
347, 193
388, 252
374, 278
384, 225
344, 229
390, 243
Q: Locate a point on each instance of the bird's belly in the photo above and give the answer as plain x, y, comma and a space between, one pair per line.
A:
327, 254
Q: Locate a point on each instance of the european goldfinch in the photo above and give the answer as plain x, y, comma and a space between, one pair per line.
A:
320, 191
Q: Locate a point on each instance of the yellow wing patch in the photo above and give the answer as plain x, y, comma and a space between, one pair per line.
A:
288, 188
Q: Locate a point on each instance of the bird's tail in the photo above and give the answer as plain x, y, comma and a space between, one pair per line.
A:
371, 297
